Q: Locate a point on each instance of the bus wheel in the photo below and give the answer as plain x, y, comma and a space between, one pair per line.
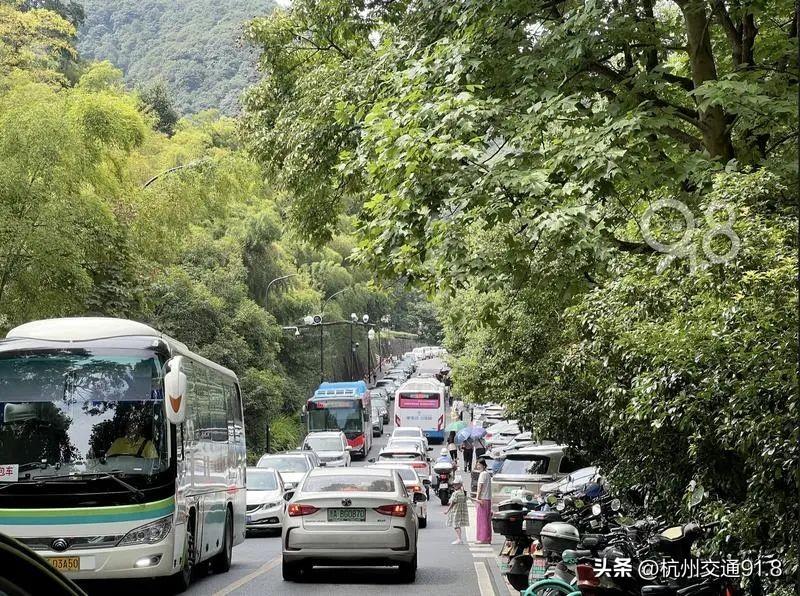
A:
179, 582
221, 563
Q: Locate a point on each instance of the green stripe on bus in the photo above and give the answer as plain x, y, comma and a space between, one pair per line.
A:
87, 515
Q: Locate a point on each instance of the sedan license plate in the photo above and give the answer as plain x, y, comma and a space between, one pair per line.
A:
65, 563
347, 515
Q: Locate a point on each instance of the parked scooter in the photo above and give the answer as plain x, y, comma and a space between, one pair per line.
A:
444, 474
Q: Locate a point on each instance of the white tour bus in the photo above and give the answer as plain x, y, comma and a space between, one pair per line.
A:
422, 402
103, 475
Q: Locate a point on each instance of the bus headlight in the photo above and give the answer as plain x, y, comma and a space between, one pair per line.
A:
149, 533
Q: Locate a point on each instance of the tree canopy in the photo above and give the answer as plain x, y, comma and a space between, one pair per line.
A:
603, 196
110, 205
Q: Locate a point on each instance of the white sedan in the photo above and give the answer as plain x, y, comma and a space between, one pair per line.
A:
414, 484
350, 516
265, 503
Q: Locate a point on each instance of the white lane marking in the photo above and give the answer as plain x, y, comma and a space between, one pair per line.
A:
472, 528
484, 581
248, 578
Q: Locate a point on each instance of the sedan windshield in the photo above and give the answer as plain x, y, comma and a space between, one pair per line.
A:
409, 432
261, 480
285, 464
348, 483
324, 443
78, 411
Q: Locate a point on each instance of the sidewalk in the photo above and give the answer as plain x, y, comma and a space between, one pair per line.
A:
486, 558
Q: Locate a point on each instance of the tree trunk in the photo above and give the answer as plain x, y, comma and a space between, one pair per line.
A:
716, 136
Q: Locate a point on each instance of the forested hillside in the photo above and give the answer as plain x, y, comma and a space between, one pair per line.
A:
193, 45
100, 213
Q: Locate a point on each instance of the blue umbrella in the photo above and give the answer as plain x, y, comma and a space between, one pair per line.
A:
470, 432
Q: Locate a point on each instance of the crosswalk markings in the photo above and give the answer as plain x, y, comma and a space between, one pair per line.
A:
484, 581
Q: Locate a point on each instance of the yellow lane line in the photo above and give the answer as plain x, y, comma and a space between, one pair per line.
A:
248, 578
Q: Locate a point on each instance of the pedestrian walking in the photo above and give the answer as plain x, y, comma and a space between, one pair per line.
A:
451, 446
467, 449
483, 504
457, 514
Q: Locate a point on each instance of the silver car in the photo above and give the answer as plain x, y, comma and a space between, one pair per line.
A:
528, 469
330, 446
352, 516
265, 503
292, 466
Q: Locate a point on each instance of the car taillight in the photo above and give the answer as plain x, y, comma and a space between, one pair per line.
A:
298, 509
488, 436
394, 510
587, 578
419, 465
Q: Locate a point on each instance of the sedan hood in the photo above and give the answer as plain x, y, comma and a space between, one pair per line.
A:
258, 497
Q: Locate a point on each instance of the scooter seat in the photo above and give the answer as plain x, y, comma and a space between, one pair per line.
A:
658, 591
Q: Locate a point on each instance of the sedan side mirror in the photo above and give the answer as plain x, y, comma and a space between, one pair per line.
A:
371, 460
419, 497
348, 448
430, 448
287, 496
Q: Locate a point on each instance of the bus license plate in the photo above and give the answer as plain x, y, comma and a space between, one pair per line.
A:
65, 563
347, 515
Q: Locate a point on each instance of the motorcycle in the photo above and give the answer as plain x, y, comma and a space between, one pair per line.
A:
443, 472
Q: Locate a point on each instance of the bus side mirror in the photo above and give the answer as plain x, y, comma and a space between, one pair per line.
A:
175, 391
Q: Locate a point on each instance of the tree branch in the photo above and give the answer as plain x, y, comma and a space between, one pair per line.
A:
733, 34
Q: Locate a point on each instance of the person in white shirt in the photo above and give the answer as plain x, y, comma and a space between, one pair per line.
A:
483, 504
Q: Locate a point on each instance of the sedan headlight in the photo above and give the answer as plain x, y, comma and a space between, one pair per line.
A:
149, 533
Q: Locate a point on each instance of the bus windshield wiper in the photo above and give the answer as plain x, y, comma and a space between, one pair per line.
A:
113, 476
77, 477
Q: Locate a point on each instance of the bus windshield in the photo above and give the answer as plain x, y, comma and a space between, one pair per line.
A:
344, 416
78, 411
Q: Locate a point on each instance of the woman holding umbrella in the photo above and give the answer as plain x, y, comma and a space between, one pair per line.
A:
467, 448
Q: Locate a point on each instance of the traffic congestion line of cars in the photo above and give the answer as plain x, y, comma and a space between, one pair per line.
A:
331, 513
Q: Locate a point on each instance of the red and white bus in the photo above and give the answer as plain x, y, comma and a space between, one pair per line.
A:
344, 407
422, 403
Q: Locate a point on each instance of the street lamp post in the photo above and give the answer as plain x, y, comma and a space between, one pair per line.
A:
353, 321
277, 279
317, 320
370, 336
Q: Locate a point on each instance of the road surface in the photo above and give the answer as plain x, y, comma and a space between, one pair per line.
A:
444, 569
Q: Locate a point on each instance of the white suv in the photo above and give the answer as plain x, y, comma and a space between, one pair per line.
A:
330, 446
